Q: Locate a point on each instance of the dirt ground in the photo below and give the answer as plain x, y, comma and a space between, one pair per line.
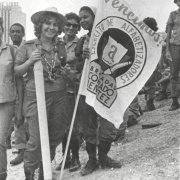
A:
146, 154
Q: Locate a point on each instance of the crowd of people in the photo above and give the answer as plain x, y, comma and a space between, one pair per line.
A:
63, 60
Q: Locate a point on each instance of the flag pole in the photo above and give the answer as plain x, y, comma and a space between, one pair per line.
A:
69, 136
42, 116
81, 86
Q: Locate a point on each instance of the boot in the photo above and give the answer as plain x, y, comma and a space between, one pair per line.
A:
175, 104
18, 159
29, 175
74, 146
92, 164
75, 164
67, 163
68, 157
104, 160
149, 105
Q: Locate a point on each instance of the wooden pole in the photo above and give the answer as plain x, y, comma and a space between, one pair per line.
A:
69, 136
42, 115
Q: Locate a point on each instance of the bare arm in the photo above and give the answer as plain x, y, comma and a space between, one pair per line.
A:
23, 68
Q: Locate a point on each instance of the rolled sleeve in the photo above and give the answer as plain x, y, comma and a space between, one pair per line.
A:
170, 19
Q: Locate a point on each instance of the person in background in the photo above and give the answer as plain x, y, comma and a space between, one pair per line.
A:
70, 39
7, 98
132, 113
17, 33
150, 85
50, 50
163, 83
173, 52
130, 118
164, 65
98, 133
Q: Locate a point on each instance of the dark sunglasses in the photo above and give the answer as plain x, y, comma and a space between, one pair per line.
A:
73, 25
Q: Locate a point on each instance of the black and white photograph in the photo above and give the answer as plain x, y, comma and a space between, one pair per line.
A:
90, 90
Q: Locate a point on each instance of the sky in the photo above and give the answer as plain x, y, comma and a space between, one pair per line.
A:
159, 9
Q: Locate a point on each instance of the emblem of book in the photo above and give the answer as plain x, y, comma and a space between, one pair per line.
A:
113, 56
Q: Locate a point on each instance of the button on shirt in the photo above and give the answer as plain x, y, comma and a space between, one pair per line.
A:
71, 61
70, 50
174, 22
24, 53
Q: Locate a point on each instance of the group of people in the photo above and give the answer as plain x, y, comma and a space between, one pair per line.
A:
164, 78
168, 69
62, 60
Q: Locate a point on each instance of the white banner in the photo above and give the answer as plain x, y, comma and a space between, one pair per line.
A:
124, 54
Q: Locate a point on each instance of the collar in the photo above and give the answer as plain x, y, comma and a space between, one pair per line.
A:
38, 43
23, 41
75, 40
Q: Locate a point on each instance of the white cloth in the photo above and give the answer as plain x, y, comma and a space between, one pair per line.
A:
133, 50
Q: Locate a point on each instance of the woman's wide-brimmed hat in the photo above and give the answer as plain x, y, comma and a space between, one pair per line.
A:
51, 10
